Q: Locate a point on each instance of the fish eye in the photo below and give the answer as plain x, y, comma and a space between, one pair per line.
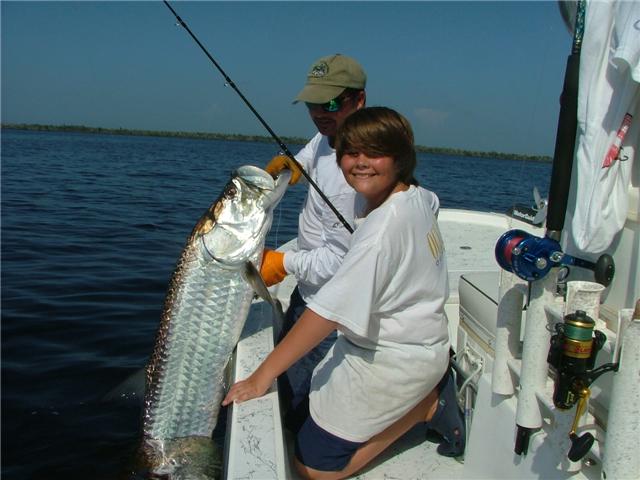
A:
230, 191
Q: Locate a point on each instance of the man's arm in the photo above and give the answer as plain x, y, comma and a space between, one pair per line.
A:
318, 265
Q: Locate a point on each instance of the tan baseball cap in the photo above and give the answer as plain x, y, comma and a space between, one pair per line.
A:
329, 76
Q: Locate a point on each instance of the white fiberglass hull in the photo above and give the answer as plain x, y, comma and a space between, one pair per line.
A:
258, 446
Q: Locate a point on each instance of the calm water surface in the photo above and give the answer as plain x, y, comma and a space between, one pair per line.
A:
92, 226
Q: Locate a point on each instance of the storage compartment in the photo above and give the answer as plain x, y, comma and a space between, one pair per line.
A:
478, 307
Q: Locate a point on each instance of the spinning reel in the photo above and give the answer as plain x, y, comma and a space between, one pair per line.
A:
572, 356
531, 257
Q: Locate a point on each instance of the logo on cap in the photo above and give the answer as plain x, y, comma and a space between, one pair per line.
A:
319, 70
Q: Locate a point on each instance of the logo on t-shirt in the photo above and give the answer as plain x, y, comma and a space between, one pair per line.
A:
436, 244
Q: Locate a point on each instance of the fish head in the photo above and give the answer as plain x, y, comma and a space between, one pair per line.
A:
234, 228
192, 458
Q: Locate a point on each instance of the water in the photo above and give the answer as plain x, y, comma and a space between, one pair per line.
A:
92, 226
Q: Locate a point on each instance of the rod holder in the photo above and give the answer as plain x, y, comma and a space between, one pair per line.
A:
621, 459
584, 296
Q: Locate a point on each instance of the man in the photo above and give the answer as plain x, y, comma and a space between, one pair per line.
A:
335, 88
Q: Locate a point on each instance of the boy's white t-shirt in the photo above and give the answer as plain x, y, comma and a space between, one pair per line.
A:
388, 297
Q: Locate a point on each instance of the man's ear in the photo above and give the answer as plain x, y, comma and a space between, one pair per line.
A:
362, 99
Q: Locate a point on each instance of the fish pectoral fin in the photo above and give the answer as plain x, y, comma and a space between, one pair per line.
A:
131, 389
254, 279
278, 318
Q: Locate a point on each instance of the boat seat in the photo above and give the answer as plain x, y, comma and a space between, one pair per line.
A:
479, 306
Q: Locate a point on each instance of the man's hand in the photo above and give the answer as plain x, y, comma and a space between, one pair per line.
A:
272, 268
279, 163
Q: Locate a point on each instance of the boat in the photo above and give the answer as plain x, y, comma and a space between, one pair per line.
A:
544, 323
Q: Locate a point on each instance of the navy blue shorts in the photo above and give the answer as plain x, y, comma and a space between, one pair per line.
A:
318, 449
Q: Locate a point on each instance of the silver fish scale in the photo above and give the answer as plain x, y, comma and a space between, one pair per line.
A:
200, 338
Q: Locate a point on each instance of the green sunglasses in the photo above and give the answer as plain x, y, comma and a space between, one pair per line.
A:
332, 106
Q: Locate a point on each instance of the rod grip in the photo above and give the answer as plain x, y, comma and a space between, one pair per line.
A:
565, 146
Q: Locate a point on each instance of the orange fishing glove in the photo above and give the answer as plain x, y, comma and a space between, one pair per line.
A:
279, 163
272, 268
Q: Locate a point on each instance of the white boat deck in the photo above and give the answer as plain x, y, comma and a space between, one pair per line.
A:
257, 447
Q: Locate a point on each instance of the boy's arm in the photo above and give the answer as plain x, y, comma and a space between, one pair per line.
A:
307, 332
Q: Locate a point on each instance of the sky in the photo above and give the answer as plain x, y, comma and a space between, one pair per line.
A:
484, 76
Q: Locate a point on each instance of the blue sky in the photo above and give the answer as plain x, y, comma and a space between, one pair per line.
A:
473, 75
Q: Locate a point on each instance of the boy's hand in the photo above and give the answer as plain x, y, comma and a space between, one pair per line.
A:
245, 390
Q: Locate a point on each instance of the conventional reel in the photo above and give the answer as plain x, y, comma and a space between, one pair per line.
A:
531, 257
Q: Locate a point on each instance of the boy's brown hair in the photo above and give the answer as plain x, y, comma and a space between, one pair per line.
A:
379, 132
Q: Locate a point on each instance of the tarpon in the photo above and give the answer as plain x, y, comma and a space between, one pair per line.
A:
205, 308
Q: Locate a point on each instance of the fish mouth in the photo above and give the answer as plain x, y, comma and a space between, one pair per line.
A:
261, 179
255, 177
281, 184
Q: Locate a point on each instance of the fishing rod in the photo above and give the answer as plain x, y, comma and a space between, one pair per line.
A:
280, 143
530, 257
565, 133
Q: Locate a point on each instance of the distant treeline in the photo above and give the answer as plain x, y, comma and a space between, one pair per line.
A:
253, 138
